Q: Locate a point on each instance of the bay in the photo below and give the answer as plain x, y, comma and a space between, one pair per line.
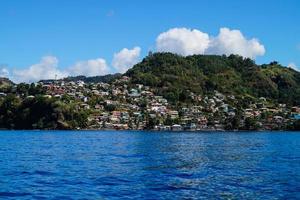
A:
149, 165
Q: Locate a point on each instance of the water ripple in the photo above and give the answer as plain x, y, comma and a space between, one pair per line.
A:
14, 194
147, 165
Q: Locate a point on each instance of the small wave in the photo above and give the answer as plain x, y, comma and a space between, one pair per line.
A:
43, 173
14, 194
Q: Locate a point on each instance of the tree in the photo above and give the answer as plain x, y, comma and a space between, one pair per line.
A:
295, 126
251, 124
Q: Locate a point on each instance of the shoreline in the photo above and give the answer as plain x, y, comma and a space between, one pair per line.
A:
156, 131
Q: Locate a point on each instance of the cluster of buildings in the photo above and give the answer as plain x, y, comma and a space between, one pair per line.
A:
122, 105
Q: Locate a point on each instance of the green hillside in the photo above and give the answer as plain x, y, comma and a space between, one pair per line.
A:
95, 79
175, 76
92, 79
5, 84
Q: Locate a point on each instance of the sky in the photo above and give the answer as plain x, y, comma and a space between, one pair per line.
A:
58, 38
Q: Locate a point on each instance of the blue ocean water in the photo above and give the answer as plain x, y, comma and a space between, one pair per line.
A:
149, 165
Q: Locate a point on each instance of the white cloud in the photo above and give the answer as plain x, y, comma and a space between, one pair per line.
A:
188, 42
47, 68
183, 41
125, 59
94, 67
4, 72
233, 42
293, 66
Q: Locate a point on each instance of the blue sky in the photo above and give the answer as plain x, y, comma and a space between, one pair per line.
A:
75, 32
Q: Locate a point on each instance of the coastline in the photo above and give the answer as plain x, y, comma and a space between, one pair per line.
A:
152, 130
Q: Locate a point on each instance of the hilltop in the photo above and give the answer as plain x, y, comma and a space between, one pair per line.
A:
92, 79
5, 82
175, 76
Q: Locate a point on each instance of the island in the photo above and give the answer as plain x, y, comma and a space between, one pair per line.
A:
163, 92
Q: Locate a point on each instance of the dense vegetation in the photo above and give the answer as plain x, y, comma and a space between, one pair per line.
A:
39, 113
5, 84
175, 76
93, 79
27, 107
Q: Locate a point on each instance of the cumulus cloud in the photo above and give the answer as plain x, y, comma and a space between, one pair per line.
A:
94, 67
233, 42
185, 42
125, 59
4, 72
293, 66
47, 68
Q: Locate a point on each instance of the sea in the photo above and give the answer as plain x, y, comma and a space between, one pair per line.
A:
149, 165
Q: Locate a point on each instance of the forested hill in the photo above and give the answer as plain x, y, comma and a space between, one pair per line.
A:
95, 79
92, 79
5, 82
175, 76
5, 85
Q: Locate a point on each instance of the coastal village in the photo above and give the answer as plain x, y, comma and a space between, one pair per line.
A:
125, 106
